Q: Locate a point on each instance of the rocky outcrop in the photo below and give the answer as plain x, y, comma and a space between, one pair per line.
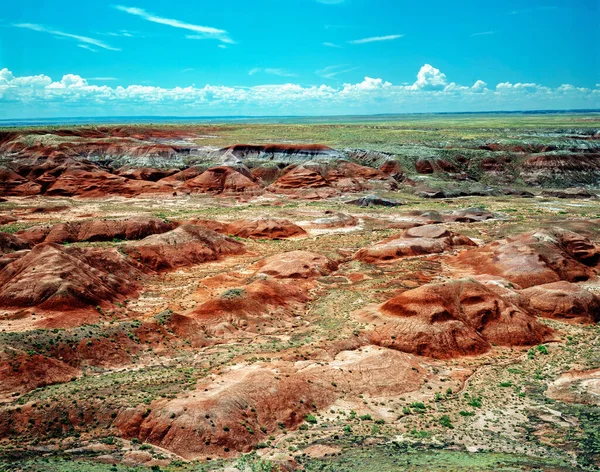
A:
535, 258
451, 319
97, 230
248, 403
296, 265
563, 301
62, 278
184, 246
224, 180
259, 228
428, 239
372, 201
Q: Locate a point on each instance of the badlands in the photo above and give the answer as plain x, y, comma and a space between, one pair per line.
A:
411, 295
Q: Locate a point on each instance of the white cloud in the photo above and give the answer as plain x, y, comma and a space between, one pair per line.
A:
271, 71
54, 32
89, 48
73, 95
389, 37
484, 33
533, 10
429, 78
330, 72
206, 32
331, 45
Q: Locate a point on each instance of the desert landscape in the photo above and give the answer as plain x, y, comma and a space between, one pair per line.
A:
409, 293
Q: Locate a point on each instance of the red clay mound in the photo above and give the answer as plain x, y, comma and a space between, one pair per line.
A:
223, 180
535, 258
184, 246
248, 403
99, 183
349, 169
145, 173
23, 373
182, 176
296, 265
428, 239
299, 177
247, 307
453, 319
11, 243
56, 278
98, 230
260, 228
13, 184
563, 301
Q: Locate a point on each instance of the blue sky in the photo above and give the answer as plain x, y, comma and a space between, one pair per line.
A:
73, 58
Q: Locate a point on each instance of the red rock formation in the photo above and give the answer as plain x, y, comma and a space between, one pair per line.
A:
247, 403
392, 168
182, 176
259, 228
453, 319
563, 301
184, 246
13, 184
299, 177
222, 180
535, 258
423, 166
296, 265
99, 183
97, 230
249, 306
145, 173
429, 239
22, 373
10, 243
567, 169
57, 278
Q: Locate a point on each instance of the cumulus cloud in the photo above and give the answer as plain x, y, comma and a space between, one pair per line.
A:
206, 32
429, 78
373, 39
73, 95
62, 34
